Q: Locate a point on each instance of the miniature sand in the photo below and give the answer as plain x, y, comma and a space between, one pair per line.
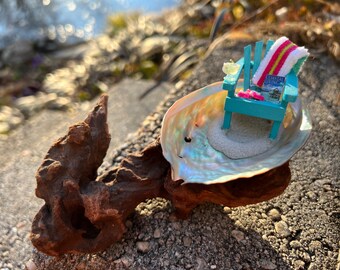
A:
247, 136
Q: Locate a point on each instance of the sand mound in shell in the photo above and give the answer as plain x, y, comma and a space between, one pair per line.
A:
247, 136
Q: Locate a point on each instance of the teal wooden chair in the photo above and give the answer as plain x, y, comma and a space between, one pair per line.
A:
262, 109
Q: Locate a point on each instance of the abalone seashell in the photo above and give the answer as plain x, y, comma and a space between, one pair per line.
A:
199, 151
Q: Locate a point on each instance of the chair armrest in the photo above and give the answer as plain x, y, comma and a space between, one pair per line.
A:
230, 80
291, 89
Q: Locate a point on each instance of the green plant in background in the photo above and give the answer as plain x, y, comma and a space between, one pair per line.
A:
83, 96
148, 69
117, 22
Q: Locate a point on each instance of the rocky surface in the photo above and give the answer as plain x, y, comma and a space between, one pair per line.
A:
309, 206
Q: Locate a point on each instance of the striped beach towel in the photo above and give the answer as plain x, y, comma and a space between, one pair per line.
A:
282, 57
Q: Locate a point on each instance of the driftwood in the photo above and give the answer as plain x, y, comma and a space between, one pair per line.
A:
83, 213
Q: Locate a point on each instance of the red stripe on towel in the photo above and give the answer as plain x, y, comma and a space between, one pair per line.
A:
272, 61
283, 59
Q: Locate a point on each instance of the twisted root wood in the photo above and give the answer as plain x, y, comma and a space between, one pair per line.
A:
83, 213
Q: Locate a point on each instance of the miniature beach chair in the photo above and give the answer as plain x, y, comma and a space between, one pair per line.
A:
262, 109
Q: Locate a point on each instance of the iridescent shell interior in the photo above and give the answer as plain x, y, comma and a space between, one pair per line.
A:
185, 143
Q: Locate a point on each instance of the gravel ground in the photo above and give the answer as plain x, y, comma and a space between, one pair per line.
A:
297, 230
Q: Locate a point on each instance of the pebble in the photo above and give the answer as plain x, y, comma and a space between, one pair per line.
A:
268, 265
30, 265
227, 210
157, 233
143, 247
298, 264
141, 236
81, 266
128, 224
323, 124
238, 235
176, 225
295, 244
187, 241
312, 196
21, 224
124, 261
305, 257
178, 255
282, 229
274, 214
201, 264
315, 245
10, 266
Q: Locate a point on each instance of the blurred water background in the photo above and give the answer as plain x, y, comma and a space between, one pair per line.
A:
66, 20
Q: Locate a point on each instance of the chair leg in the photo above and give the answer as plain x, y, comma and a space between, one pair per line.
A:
275, 130
227, 120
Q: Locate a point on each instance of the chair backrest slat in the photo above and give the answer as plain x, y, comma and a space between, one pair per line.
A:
247, 56
269, 45
257, 55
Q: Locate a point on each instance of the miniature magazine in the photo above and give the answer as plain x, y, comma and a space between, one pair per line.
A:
272, 88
